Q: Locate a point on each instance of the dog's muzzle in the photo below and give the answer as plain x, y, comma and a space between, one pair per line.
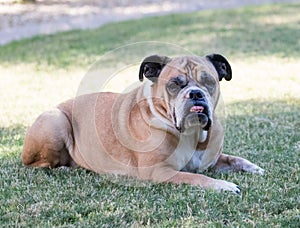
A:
196, 111
200, 106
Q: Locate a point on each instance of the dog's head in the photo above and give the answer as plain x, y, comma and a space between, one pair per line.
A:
187, 87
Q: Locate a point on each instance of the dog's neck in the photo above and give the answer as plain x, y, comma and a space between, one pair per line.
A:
159, 120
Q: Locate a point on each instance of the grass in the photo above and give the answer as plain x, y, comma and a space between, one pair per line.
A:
263, 120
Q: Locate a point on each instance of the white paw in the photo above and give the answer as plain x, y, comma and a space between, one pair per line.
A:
259, 171
252, 168
222, 185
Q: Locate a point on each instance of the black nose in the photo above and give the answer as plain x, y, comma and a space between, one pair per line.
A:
196, 94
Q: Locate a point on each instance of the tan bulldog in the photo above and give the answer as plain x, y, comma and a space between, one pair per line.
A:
166, 130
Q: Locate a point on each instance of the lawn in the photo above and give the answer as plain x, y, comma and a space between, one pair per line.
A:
262, 124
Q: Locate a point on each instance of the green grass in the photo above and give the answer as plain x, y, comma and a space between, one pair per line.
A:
263, 122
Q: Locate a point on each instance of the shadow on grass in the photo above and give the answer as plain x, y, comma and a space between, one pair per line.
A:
252, 31
264, 130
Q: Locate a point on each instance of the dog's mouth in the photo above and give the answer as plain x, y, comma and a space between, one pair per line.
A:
196, 115
202, 110
197, 109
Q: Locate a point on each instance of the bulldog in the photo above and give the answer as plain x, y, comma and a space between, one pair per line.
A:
166, 130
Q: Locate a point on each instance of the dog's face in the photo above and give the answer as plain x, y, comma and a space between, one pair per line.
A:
187, 87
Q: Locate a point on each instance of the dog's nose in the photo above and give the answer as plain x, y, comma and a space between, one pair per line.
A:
196, 94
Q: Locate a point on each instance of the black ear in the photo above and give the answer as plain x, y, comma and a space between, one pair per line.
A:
222, 66
152, 66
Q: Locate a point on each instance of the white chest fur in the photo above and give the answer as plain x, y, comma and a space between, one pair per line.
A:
186, 157
195, 163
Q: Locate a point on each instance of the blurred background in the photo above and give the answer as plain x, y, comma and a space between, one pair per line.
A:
25, 18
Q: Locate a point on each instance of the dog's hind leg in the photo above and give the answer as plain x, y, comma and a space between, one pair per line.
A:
233, 163
48, 141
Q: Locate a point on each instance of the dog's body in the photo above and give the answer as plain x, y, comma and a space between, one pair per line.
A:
165, 131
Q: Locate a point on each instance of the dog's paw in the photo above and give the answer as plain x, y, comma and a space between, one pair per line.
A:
259, 171
252, 168
221, 185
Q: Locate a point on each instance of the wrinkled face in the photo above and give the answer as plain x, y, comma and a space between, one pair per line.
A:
192, 90
190, 85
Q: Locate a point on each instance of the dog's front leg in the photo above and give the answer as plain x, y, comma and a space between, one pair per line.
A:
232, 163
168, 175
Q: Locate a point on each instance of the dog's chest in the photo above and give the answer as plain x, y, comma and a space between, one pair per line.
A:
190, 160
195, 163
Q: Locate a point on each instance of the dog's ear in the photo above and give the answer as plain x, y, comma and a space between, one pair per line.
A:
152, 66
222, 66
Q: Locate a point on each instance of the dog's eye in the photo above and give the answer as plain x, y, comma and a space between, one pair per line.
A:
208, 81
176, 84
